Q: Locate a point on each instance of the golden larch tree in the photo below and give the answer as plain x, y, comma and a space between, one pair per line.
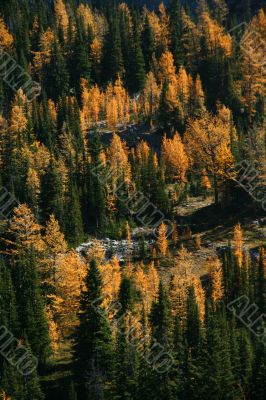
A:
238, 244
6, 38
118, 157
25, 232
215, 35
208, 143
70, 273
216, 276
175, 157
61, 16
162, 242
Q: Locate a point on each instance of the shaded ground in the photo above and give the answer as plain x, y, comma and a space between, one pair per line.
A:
215, 228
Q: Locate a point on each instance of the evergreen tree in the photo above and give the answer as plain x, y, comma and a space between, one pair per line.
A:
148, 45
94, 352
161, 352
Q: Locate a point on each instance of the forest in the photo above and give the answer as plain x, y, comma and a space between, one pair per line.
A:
132, 200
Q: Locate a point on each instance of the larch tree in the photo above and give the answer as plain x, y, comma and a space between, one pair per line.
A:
252, 52
167, 69
6, 38
216, 276
175, 157
70, 273
111, 276
118, 156
151, 97
238, 244
215, 36
61, 16
162, 242
208, 143
24, 231
190, 39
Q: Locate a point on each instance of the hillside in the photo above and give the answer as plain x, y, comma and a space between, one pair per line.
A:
132, 200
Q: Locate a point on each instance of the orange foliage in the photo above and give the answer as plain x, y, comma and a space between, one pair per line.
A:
162, 243
6, 38
216, 275
175, 157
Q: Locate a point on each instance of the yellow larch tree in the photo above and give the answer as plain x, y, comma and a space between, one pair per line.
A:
6, 38
151, 96
208, 143
143, 151
128, 234
175, 157
33, 185
70, 273
183, 86
118, 157
167, 69
96, 51
55, 245
200, 296
152, 281
190, 39
162, 242
111, 275
112, 113
54, 238
85, 13
154, 22
61, 16
215, 35
25, 232
252, 63
238, 244
54, 334
216, 275
18, 115
43, 55
164, 20
198, 98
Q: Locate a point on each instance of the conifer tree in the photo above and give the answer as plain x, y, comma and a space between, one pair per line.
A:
94, 352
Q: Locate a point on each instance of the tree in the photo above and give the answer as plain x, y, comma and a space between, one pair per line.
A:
207, 141
215, 35
161, 329
24, 231
94, 352
69, 276
162, 239
175, 157
148, 45
61, 15
6, 38
216, 275
175, 32
238, 244
32, 319
73, 224
113, 65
